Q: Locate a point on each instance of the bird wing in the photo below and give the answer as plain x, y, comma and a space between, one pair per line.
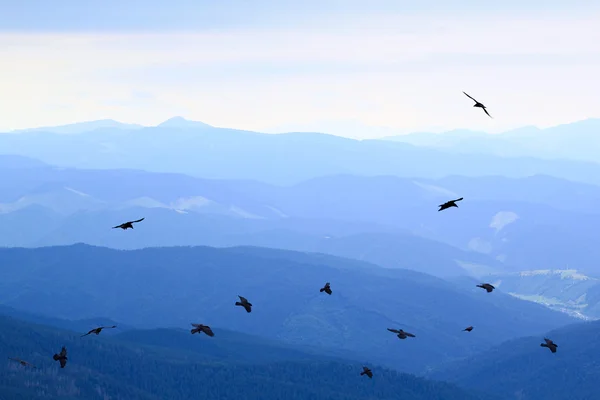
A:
409, 334
196, 325
393, 330
243, 299
208, 331
487, 113
63, 362
118, 226
133, 222
470, 97
458, 199
89, 333
247, 307
548, 341
63, 352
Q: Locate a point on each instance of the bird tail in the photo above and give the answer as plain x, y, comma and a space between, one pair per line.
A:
237, 303
195, 330
322, 290
362, 373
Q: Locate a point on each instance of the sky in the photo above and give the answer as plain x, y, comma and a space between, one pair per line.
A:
352, 68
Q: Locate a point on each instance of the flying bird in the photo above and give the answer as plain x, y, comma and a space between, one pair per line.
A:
478, 104
23, 363
61, 357
549, 344
401, 333
244, 303
366, 371
128, 224
448, 204
98, 330
468, 329
487, 287
326, 288
202, 328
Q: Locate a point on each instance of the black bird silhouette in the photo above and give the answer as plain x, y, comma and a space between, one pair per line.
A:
128, 224
478, 104
549, 344
401, 333
487, 287
61, 357
23, 363
202, 328
468, 329
448, 204
326, 288
366, 371
98, 330
244, 303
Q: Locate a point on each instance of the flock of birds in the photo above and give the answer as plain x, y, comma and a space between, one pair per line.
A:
243, 302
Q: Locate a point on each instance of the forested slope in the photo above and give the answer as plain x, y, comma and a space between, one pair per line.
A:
108, 368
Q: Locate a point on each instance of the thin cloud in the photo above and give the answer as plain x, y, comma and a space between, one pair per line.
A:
387, 70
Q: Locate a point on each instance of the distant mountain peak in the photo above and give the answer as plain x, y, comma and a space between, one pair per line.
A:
81, 127
180, 122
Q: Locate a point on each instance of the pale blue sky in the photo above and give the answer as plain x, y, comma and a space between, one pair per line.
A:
337, 66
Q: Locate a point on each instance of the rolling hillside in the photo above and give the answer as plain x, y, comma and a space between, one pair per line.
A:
522, 370
575, 141
564, 290
169, 287
211, 152
111, 368
524, 224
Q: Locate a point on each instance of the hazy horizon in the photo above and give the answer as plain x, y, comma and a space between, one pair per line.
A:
284, 66
347, 128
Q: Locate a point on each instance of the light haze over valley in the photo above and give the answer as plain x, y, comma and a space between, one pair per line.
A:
263, 149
